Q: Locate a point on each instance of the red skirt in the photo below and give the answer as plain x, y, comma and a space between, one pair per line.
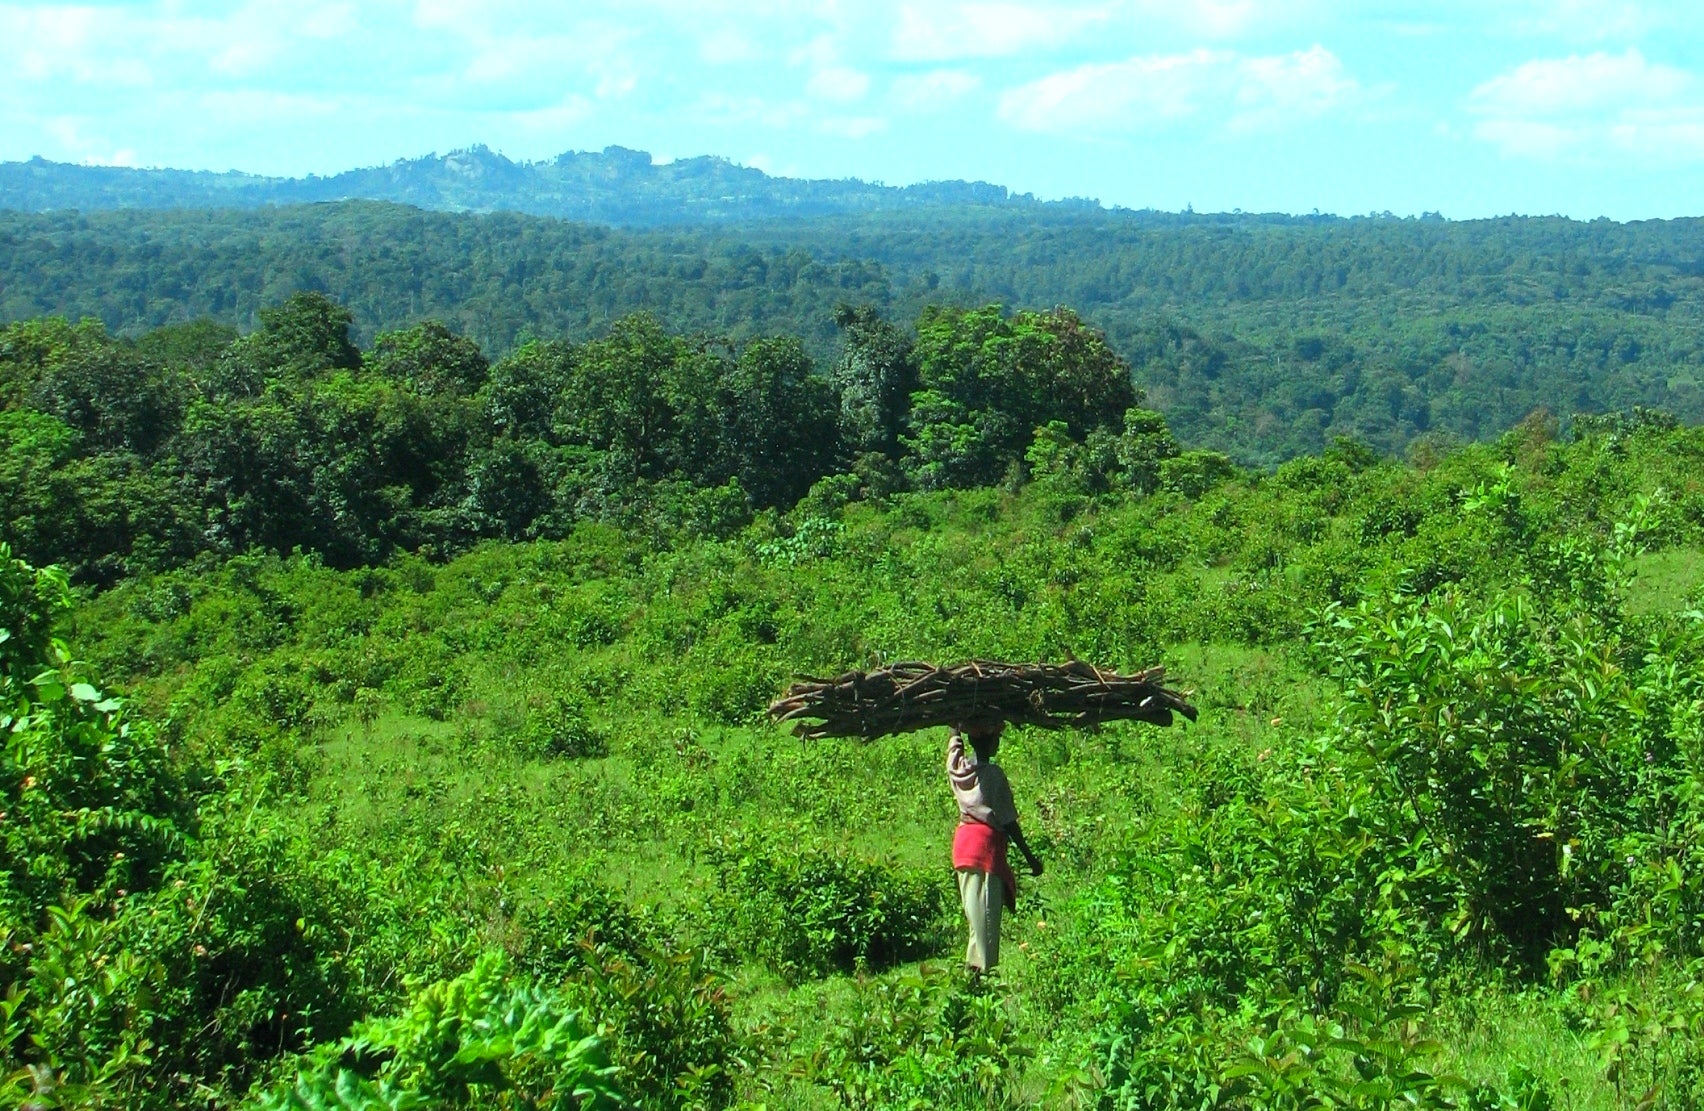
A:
980, 846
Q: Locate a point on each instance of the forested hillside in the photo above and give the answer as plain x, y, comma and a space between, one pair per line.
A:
1258, 336
119, 458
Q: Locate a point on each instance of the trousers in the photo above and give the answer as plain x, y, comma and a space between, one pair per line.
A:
983, 895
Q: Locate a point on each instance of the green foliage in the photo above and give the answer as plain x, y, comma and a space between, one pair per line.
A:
559, 728
1260, 336
669, 1024
430, 359
809, 912
91, 800
921, 1039
985, 381
1446, 772
482, 1039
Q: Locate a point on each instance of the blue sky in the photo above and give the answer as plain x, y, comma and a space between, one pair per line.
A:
1581, 107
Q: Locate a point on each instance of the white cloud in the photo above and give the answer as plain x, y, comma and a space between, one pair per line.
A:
1283, 87
1592, 20
933, 33
1569, 86
838, 83
89, 149
727, 47
852, 127
1154, 91
1216, 18
554, 118
820, 51
932, 91
726, 110
1228, 19
1593, 107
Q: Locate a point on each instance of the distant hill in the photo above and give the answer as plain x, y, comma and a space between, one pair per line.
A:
616, 186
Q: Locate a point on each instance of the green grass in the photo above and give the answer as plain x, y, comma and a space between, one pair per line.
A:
1666, 581
1488, 1034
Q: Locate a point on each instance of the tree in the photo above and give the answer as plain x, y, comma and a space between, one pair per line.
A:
987, 381
644, 398
875, 376
778, 426
430, 359
521, 392
193, 346
305, 337
114, 398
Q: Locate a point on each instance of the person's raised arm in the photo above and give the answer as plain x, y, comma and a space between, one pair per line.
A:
957, 765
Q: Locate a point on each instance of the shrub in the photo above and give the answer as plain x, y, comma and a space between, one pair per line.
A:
668, 1022
560, 729
732, 684
808, 913
1193, 473
921, 1038
483, 1039
556, 932
1523, 747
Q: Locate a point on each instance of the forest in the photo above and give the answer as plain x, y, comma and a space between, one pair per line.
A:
1263, 337
386, 727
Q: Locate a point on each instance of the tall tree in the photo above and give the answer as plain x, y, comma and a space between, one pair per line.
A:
875, 376
987, 381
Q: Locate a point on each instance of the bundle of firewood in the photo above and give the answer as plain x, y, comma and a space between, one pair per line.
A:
907, 696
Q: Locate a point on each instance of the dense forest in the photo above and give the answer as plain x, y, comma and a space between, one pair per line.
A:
124, 457
1262, 337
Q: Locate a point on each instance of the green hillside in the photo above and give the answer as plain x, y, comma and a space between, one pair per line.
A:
613, 186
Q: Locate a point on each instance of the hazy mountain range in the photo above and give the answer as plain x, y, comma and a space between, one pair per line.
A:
615, 186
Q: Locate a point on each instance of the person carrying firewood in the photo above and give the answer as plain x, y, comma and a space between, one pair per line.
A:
988, 819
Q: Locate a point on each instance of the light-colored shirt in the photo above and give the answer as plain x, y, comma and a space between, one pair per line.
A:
981, 790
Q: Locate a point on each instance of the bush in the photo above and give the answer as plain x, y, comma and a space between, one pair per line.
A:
557, 931
560, 730
732, 684
484, 1039
921, 1039
668, 1022
1193, 473
808, 913
1526, 747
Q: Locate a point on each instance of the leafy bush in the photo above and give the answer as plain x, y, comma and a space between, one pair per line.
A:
668, 1022
732, 683
1526, 745
1193, 473
560, 729
557, 931
483, 1039
921, 1038
810, 912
